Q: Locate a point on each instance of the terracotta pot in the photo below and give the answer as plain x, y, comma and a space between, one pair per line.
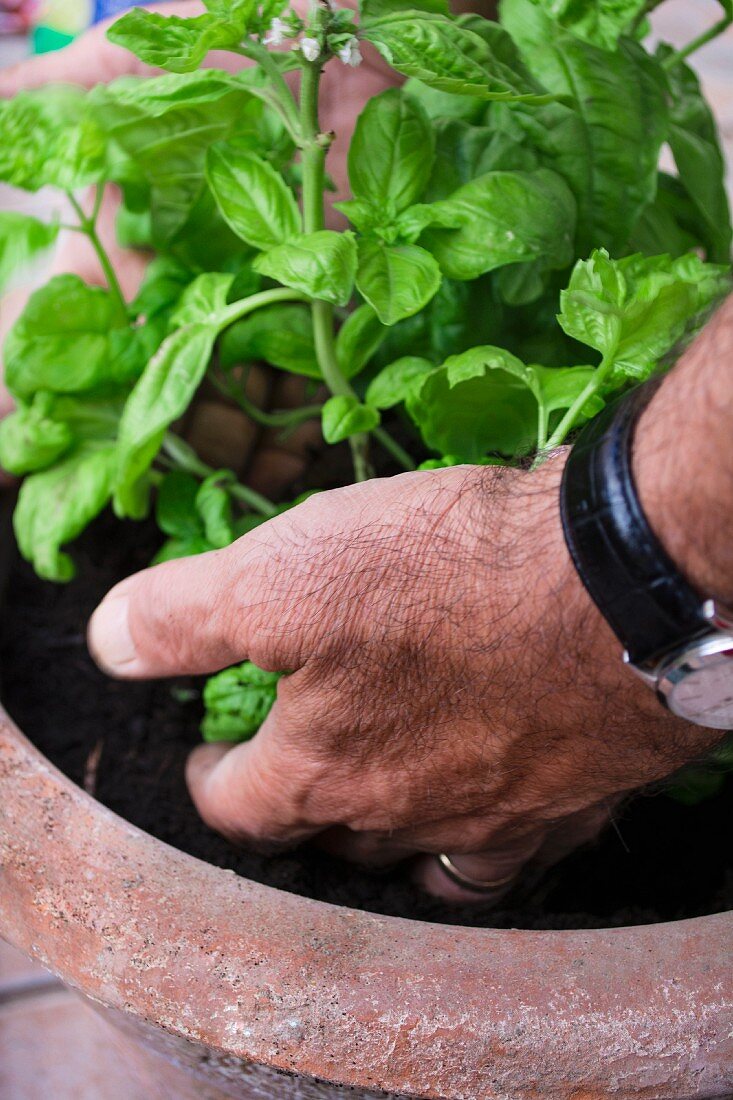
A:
237, 984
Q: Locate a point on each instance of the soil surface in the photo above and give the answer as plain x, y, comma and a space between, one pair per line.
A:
129, 742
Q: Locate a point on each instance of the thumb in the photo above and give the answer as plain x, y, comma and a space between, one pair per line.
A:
197, 615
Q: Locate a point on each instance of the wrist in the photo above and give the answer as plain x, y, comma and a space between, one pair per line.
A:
567, 658
554, 598
683, 462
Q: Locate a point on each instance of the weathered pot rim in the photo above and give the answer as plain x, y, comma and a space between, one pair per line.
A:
347, 996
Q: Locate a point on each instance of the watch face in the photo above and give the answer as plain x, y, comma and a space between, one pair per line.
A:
700, 687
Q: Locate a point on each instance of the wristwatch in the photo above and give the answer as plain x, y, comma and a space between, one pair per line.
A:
679, 644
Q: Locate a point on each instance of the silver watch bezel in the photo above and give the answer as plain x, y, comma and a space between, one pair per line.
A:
667, 673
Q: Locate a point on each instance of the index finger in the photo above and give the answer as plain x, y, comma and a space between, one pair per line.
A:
268, 791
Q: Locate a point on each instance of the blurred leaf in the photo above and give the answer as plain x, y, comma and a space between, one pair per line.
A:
237, 702
321, 265
343, 416
55, 505
22, 240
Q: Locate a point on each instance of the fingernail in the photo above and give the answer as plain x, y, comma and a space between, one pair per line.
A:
109, 638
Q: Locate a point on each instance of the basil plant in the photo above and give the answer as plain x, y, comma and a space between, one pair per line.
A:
514, 255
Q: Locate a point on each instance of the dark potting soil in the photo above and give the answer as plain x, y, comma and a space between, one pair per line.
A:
659, 861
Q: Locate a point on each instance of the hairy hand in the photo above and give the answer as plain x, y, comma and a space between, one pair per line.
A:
452, 689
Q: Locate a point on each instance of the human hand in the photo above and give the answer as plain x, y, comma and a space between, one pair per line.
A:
452, 687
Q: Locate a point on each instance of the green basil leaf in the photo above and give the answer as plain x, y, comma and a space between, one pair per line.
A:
456, 317
156, 97
391, 153
358, 340
260, 130
164, 281
69, 339
362, 215
237, 702
452, 58
521, 284
410, 224
322, 265
22, 240
175, 506
444, 106
691, 785
203, 301
161, 395
480, 401
408, 337
695, 145
344, 415
246, 283
170, 42
396, 280
92, 418
559, 387
505, 218
134, 228
281, 335
205, 241
165, 126
374, 9
30, 439
697, 782
633, 311
49, 139
397, 381
464, 151
669, 224
245, 11
252, 197
55, 505
592, 305
607, 145
214, 506
247, 522
601, 22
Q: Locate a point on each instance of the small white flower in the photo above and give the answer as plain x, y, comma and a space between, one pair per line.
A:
310, 48
276, 34
350, 53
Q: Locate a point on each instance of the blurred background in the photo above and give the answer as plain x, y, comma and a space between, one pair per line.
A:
52, 1047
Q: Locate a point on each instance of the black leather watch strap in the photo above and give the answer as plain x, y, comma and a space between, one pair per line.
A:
647, 601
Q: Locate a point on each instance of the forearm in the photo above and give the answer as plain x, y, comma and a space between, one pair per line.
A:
683, 460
